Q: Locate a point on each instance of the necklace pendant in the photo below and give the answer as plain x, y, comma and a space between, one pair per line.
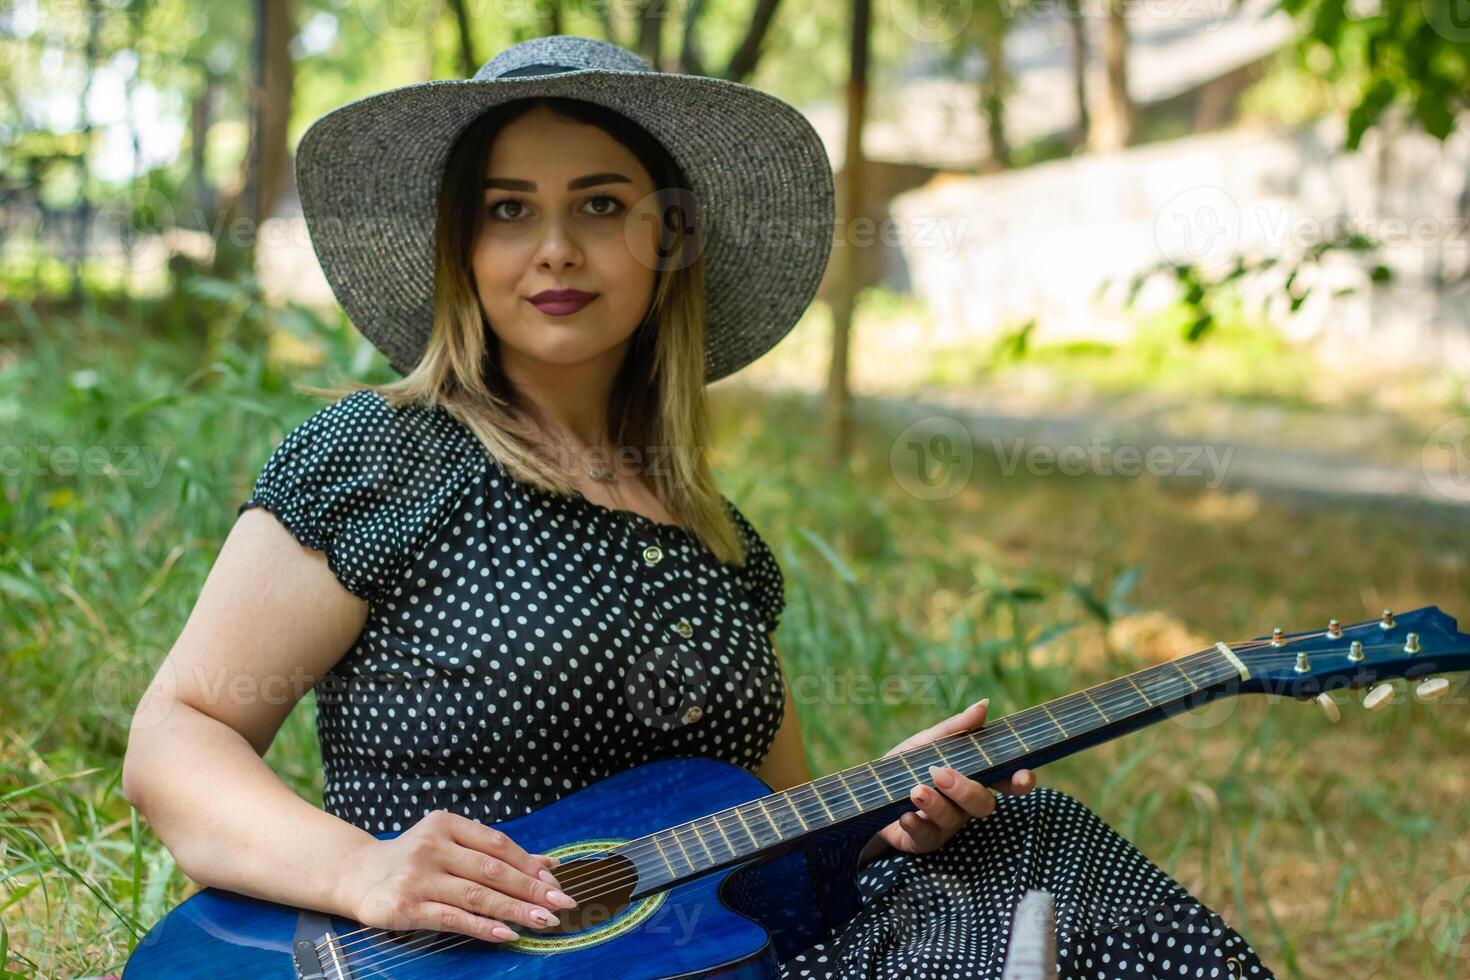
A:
600, 473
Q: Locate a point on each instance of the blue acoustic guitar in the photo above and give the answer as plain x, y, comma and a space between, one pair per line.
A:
694, 868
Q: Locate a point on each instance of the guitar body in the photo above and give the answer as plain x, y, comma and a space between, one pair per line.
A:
732, 923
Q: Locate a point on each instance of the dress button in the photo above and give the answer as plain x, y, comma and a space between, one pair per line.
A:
684, 629
693, 714
653, 554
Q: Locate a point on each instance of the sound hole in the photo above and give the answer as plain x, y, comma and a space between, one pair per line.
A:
602, 887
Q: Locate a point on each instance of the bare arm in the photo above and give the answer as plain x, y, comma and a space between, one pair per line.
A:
269, 620
785, 765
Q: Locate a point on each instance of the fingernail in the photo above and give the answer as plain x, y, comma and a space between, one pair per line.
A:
554, 861
504, 932
544, 917
562, 898
548, 877
940, 776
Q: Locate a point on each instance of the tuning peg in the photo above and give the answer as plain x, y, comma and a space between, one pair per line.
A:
1329, 707
1355, 652
1277, 638
1432, 689
1387, 622
1411, 643
1379, 697
1334, 631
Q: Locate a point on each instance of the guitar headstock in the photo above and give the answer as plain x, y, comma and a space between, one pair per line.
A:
1417, 646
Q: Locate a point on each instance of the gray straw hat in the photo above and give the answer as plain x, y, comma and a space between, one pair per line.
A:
368, 174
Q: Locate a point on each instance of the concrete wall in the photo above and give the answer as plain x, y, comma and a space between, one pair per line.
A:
1041, 241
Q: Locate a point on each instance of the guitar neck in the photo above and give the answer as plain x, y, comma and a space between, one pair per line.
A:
1047, 731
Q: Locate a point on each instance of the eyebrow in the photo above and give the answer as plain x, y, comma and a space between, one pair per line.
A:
591, 180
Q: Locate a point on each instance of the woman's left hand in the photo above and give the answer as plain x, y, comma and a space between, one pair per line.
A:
958, 798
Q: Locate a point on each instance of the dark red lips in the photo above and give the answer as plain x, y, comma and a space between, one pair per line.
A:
561, 302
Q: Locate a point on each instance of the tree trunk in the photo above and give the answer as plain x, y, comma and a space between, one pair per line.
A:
1078, 26
201, 110
691, 62
994, 87
1113, 129
748, 52
83, 226
650, 33
267, 157
468, 63
839, 396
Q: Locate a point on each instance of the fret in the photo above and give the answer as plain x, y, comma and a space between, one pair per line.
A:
1130, 680
760, 805
1055, 723
904, 758
1182, 673
882, 782
857, 807
817, 793
921, 757
699, 836
1087, 695
687, 859
661, 853
975, 742
729, 844
790, 800
755, 843
1014, 733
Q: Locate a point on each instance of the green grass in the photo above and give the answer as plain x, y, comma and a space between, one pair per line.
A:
1324, 845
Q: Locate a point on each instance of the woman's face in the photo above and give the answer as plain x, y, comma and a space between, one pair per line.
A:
567, 208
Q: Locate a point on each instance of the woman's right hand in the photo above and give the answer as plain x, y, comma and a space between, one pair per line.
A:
453, 874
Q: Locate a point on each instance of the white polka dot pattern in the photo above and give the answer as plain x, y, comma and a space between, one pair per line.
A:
948, 913
519, 645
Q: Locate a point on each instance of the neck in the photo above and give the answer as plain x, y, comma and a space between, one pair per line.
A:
571, 398
1020, 740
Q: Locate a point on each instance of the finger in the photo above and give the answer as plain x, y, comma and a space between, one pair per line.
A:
1021, 781
924, 835
449, 918
971, 717
471, 896
473, 834
973, 799
939, 809
494, 873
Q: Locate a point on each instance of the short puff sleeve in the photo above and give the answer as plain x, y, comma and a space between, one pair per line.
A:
348, 481
760, 576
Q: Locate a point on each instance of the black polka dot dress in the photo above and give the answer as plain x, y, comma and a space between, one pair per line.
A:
521, 645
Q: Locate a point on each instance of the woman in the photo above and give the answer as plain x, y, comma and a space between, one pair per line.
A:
509, 574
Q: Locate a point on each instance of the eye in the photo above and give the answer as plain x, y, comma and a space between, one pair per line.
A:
504, 200
616, 205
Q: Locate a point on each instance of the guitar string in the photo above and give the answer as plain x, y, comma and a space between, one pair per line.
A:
882, 792
607, 878
447, 941
604, 877
891, 764
1245, 647
441, 942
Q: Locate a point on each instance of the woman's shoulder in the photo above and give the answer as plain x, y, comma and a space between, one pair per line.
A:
365, 423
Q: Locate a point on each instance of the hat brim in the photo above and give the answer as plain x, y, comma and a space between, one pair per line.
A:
368, 174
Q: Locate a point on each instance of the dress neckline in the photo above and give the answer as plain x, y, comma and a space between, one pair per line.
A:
661, 527
634, 516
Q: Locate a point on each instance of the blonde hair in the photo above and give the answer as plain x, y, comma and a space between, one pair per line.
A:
659, 400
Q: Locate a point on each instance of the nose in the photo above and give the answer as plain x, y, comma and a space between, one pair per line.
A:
558, 248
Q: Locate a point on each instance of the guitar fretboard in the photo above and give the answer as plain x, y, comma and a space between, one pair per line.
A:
744, 832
